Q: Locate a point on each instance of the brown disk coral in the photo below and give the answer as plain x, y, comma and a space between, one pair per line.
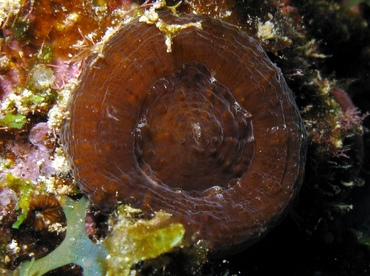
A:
44, 210
206, 129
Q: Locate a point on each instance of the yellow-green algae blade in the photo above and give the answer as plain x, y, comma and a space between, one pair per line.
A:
132, 242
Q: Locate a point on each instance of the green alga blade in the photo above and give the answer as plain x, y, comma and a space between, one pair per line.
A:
24, 187
76, 248
13, 121
350, 3
130, 243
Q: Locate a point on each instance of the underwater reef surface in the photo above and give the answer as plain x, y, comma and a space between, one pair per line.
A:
164, 220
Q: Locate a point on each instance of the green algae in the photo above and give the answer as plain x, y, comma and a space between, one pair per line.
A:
16, 121
45, 54
20, 28
24, 188
351, 3
36, 98
129, 243
76, 247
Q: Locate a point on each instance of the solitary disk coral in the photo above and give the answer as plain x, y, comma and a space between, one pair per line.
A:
206, 129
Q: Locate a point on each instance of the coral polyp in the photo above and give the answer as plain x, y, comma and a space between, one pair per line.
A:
206, 130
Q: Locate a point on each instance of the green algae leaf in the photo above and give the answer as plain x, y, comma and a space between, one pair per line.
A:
364, 240
24, 188
20, 219
36, 99
76, 248
130, 243
46, 53
13, 121
351, 3
20, 28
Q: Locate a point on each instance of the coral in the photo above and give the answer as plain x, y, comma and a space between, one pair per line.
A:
43, 212
30, 217
188, 131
